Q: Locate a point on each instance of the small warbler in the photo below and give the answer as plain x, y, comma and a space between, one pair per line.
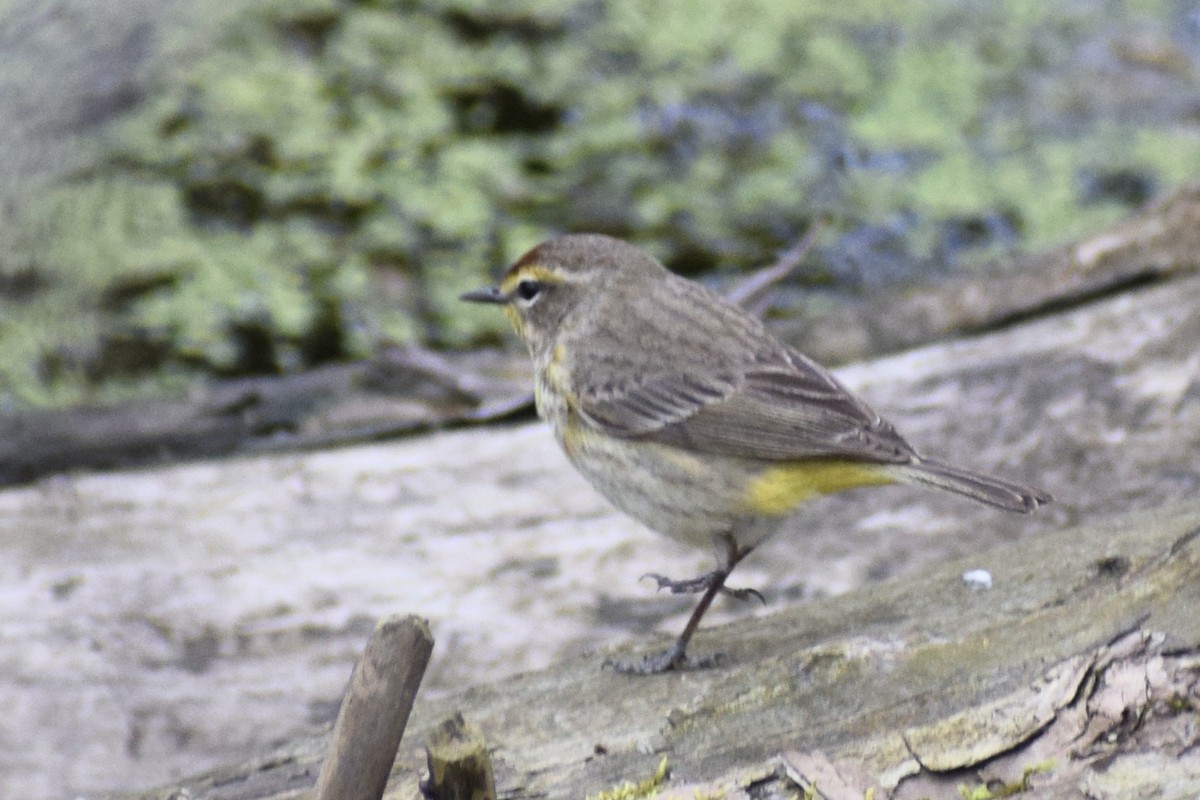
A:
688, 415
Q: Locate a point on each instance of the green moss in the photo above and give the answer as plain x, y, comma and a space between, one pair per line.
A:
323, 164
929, 101
834, 68
1045, 189
1172, 154
1040, 187
1156, 8
645, 788
999, 790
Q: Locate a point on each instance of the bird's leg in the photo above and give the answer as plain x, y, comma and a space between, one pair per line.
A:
711, 584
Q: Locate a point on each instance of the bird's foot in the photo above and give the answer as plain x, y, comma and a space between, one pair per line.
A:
703, 584
673, 659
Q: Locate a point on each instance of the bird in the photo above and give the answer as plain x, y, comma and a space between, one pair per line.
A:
690, 416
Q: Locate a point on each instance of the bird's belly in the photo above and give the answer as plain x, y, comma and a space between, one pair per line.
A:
688, 496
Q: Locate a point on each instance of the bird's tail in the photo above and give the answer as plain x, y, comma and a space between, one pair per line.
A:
975, 485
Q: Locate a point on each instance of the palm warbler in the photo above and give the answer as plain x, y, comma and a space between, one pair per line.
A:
689, 416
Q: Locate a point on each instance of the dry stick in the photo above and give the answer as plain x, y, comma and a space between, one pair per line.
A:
375, 710
755, 290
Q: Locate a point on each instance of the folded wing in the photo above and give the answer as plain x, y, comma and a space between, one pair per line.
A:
780, 406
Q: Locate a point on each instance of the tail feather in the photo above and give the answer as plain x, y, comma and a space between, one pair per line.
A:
975, 485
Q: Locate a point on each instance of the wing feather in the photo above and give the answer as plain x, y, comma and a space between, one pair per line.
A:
787, 407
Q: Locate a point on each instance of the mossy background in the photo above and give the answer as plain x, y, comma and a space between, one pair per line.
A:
297, 181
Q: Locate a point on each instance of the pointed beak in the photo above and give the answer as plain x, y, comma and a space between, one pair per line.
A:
490, 294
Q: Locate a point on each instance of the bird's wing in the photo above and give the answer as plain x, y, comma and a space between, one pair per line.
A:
781, 406
652, 402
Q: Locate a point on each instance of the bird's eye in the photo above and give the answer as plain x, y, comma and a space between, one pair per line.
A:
527, 290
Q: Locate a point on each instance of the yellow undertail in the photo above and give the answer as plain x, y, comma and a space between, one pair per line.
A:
777, 490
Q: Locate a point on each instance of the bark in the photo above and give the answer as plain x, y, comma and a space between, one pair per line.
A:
1076, 672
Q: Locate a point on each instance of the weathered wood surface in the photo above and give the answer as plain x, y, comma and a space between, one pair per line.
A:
1078, 672
159, 621
402, 391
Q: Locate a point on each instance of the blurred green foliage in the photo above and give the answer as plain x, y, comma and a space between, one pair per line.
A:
329, 175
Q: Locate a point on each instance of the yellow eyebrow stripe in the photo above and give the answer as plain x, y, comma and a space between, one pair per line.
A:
527, 272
